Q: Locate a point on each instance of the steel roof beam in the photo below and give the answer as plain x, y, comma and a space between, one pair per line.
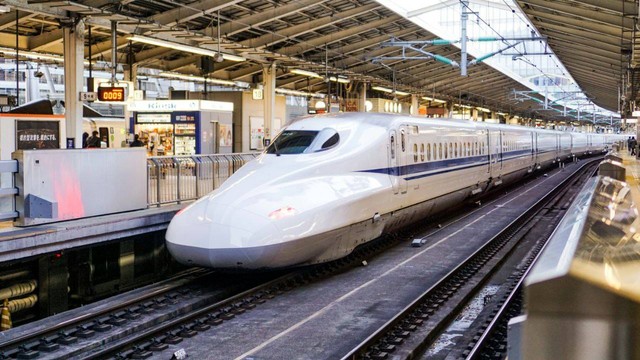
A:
591, 15
266, 16
306, 27
191, 11
334, 37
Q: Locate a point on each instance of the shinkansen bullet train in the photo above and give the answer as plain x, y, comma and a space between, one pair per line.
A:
330, 183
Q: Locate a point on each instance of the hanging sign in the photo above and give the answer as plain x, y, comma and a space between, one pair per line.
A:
111, 93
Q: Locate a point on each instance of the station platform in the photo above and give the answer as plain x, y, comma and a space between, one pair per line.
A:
18, 243
583, 293
632, 177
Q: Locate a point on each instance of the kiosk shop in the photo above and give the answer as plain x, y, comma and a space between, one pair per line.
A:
183, 127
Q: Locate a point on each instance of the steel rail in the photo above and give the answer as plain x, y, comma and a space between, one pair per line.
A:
360, 350
92, 315
489, 330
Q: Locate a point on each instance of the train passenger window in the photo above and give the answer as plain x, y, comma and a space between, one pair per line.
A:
450, 152
415, 152
402, 142
440, 151
429, 152
421, 152
455, 151
393, 147
292, 142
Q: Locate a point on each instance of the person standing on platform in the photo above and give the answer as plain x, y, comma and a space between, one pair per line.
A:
85, 136
632, 145
136, 141
93, 141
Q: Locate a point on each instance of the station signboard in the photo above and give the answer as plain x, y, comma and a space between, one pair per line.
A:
111, 93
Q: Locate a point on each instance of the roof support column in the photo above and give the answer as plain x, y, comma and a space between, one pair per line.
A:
414, 105
73, 38
269, 78
362, 103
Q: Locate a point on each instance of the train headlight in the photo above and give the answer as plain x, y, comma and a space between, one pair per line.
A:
282, 213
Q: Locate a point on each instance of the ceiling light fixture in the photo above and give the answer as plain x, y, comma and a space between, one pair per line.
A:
183, 47
196, 78
433, 99
339, 79
381, 88
305, 73
384, 89
483, 109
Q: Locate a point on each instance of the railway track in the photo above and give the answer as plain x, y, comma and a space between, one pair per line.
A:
418, 326
91, 326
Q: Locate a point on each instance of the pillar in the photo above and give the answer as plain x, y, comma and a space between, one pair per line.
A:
73, 39
130, 74
474, 114
269, 79
414, 104
362, 102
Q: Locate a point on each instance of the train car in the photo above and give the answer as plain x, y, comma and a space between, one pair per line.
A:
330, 183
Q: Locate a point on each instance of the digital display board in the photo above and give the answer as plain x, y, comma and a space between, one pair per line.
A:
111, 93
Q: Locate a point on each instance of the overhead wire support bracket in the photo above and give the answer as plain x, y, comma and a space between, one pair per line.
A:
484, 57
409, 45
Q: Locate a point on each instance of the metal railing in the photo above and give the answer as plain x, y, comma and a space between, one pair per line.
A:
173, 179
8, 190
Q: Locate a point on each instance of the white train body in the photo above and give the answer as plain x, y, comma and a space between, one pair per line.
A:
330, 183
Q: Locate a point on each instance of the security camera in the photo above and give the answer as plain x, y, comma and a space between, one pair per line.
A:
38, 74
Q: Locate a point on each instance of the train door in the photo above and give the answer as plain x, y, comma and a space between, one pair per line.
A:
495, 153
403, 154
393, 161
534, 145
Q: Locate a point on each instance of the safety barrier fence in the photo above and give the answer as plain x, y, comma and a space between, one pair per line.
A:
173, 179
8, 190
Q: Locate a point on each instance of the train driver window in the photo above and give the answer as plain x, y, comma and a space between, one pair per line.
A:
292, 142
326, 139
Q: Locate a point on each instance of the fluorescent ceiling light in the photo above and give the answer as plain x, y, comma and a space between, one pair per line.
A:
183, 47
433, 99
196, 78
463, 106
339, 79
380, 88
292, 92
501, 113
305, 73
483, 109
384, 89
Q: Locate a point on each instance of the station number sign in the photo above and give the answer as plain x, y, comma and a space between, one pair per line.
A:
111, 93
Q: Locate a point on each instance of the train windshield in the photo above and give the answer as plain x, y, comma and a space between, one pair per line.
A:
303, 141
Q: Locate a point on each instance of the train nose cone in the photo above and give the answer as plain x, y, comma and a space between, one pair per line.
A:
221, 236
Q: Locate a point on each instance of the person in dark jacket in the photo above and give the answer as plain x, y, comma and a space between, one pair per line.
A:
93, 141
85, 136
136, 141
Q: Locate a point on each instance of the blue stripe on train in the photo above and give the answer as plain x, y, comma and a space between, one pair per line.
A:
444, 166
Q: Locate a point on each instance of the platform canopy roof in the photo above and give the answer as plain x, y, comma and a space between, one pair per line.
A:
354, 39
